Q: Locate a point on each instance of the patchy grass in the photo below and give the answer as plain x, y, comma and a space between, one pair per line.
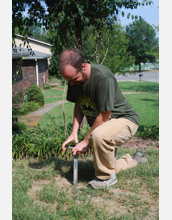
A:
42, 189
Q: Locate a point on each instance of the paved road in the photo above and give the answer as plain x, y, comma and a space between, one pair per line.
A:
152, 76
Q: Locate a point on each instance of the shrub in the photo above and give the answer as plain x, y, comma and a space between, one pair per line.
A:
35, 94
18, 127
151, 132
29, 107
46, 86
17, 101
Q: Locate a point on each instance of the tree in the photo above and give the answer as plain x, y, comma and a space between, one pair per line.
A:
142, 41
69, 16
67, 20
113, 48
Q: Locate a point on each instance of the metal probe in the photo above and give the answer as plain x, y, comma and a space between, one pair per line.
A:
75, 168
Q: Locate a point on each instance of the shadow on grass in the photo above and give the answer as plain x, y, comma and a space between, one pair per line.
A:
140, 87
156, 102
65, 168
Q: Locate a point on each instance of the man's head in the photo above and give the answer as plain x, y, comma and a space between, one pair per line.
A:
72, 65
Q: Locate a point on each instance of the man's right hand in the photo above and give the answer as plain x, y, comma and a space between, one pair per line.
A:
72, 137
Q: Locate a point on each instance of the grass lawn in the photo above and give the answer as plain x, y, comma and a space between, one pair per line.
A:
54, 118
53, 95
146, 104
147, 107
139, 87
42, 189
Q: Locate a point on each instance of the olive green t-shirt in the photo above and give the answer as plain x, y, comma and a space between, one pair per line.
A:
101, 93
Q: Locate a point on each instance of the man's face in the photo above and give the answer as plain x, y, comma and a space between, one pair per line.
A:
73, 76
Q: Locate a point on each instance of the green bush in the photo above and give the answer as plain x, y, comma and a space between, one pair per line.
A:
18, 127
29, 107
151, 132
46, 86
35, 94
17, 101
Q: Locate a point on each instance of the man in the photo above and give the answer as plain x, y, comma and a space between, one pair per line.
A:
96, 94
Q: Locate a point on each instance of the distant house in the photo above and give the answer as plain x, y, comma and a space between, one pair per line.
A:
37, 45
29, 68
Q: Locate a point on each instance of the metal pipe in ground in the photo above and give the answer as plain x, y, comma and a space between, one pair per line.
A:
75, 169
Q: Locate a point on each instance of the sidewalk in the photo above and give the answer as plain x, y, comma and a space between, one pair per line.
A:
34, 118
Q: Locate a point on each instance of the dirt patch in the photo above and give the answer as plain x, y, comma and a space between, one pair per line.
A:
36, 187
139, 143
30, 120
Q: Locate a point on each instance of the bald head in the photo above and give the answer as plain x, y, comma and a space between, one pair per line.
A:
72, 57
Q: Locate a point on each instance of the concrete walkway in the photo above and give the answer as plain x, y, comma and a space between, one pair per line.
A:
34, 118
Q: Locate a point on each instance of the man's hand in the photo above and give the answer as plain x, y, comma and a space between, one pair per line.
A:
72, 137
81, 147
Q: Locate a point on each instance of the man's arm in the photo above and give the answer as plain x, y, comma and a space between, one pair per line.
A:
77, 119
82, 147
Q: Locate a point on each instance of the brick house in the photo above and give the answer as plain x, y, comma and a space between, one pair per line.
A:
28, 69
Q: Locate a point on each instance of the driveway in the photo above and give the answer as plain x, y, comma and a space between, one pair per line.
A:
150, 76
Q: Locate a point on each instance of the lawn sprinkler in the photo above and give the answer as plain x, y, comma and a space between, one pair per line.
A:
75, 168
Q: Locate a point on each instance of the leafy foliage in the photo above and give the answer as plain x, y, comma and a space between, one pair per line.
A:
66, 20
148, 132
17, 101
35, 94
40, 143
142, 41
112, 50
29, 107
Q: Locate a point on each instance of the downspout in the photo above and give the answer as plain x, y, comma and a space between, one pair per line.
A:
37, 76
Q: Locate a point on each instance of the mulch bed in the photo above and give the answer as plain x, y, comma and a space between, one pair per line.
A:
139, 143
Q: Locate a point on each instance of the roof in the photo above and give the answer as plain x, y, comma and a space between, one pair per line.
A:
25, 54
33, 40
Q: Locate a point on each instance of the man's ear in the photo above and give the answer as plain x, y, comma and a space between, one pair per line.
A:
84, 66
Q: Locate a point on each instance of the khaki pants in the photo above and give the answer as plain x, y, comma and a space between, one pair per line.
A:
105, 140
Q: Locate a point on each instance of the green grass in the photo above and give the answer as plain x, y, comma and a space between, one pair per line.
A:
42, 189
139, 87
52, 99
54, 118
145, 104
52, 92
147, 107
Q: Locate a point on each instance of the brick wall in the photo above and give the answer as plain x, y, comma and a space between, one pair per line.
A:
27, 74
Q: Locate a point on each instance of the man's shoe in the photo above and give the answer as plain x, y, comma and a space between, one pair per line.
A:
103, 184
140, 158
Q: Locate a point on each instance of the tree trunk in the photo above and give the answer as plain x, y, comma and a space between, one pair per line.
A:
78, 33
98, 49
140, 67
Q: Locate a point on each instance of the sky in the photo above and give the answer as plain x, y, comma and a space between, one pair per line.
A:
149, 13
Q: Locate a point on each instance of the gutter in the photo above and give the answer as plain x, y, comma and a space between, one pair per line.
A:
37, 73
